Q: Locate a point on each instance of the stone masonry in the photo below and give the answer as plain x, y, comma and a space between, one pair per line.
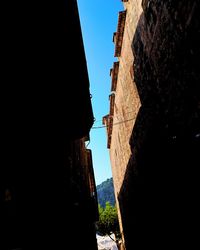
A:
154, 123
124, 98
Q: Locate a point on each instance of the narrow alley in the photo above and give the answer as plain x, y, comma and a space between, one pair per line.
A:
48, 191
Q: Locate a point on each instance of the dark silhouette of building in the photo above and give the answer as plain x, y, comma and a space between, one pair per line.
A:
47, 186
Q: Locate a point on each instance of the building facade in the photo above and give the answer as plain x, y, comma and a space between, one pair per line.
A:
154, 156
124, 97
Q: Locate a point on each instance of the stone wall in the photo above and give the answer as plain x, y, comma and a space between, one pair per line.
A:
127, 102
158, 195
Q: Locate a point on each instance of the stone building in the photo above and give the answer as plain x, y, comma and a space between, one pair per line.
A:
124, 97
154, 156
47, 186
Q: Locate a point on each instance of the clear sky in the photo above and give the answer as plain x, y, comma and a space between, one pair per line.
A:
99, 21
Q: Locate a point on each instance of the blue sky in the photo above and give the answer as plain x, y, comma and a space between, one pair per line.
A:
99, 21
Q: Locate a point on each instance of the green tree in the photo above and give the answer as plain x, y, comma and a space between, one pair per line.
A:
108, 222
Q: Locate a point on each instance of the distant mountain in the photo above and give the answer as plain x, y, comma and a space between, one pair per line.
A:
105, 192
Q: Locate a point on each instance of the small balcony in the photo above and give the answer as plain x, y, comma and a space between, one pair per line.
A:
118, 36
112, 102
114, 75
108, 122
